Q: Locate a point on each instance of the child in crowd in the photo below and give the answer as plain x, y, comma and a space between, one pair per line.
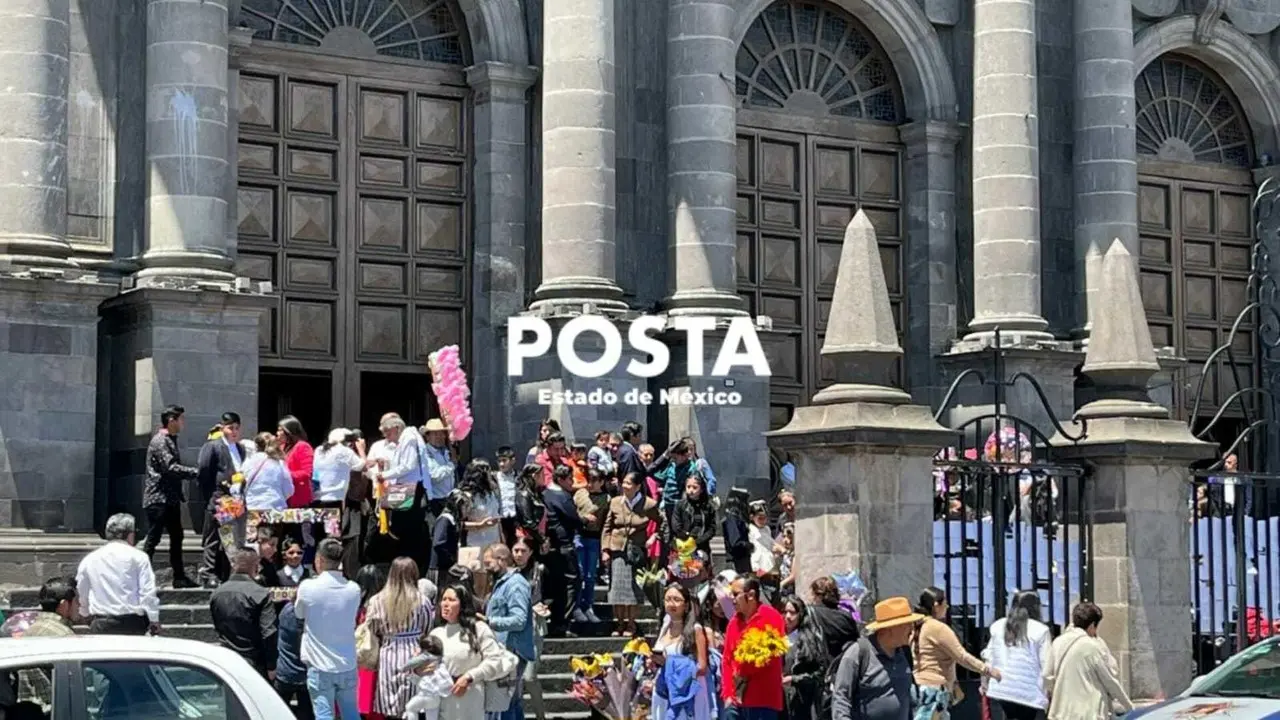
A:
592, 502
434, 681
445, 535
578, 459
293, 572
600, 456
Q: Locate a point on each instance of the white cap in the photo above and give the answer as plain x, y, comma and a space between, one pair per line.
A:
337, 435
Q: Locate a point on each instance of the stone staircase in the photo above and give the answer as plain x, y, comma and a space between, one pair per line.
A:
27, 559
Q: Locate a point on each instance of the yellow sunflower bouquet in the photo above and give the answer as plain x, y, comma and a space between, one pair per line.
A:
757, 648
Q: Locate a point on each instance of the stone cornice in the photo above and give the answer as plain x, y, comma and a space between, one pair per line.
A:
939, 134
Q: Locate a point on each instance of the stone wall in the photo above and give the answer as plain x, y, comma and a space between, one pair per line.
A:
49, 350
161, 347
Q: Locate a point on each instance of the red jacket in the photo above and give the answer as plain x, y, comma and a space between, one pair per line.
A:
764, 687
300, 460
549, 467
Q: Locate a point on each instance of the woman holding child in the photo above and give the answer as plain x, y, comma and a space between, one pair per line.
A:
471, 654
398, 616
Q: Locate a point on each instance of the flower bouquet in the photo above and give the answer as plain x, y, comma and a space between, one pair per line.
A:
687, 563
652, 583
609, 687
852, 590
228, 509
449, 383
758, 648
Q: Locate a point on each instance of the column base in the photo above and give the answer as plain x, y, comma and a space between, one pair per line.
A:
599, 293
860, 502
48, 412
181, 268
704, 303
195, 348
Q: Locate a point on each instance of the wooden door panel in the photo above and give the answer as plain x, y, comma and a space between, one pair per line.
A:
1195, 251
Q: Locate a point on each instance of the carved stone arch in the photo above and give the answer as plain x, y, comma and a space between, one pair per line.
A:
1252, 76
907, 36
498, 31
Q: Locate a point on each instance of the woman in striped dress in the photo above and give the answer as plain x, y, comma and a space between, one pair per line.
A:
399, 615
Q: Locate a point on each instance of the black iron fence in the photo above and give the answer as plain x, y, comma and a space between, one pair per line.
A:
1235, 562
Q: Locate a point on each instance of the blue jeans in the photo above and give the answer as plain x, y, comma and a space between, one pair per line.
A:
589, 561
328, 689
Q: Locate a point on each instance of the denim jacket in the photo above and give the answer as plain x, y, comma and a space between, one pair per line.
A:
510, 615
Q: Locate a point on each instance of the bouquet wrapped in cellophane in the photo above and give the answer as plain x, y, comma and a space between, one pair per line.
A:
852, 590
687, 562
615, 688
757, 648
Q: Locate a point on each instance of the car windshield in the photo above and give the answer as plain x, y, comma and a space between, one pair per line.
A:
1253, 672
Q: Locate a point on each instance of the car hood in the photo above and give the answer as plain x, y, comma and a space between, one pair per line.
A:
1210, 708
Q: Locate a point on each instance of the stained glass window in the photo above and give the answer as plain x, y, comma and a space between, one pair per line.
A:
1187, 114
426, 30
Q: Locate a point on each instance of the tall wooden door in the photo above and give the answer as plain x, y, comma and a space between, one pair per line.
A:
354, 182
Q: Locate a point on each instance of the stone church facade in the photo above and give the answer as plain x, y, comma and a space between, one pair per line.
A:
282, 206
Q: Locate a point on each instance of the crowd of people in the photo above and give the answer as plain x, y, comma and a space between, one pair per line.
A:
431, 591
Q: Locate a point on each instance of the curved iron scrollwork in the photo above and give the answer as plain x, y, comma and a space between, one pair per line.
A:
1007, 516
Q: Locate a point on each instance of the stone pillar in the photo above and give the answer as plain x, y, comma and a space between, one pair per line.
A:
702, 153
501, 97
160, 346
1139, 492
187, 130
36, 66
1006, 171
1104, 154
931, 318
49, 352
863, 453
579, 185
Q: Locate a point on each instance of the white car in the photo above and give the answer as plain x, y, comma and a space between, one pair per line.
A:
1245, 687
119, 677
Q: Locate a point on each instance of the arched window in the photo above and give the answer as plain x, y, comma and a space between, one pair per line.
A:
1187, 114
812, 58
425, 30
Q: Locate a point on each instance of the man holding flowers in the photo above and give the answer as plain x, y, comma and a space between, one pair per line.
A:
754, 645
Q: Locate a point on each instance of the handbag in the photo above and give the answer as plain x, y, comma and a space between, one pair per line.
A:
499, 693
367, 647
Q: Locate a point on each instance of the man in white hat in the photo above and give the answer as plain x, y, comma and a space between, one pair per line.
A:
438, 465
873, 679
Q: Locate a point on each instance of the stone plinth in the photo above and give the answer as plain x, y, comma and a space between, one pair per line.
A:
49, 352
197, 349
1053, 365
730, 437
864, 492
1138, 506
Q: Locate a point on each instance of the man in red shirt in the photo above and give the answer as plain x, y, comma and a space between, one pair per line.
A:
551, 458
761, 697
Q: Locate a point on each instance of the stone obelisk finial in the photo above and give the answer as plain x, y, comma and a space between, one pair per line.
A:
862, 339
1120, 359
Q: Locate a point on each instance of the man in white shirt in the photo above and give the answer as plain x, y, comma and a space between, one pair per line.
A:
327, 605
116, 584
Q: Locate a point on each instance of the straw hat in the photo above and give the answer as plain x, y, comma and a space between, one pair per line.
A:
434, 425
892, 613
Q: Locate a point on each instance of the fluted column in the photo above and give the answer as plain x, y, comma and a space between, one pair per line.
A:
35, 63
1006, 171
187, 149
578, 156
701, 159
1105, 155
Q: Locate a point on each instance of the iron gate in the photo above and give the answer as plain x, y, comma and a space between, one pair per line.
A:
1234, 503
1008, 516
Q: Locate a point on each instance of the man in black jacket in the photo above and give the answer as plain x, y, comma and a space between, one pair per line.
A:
220, 458
562, 572
163, 491
628, 455
244, 615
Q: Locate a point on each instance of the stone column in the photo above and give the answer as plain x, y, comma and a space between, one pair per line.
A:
579, 186
1006, 171
931, 320
36, 66
501, 97
1104, 154
863, 452
1138, 505
187, 127
701, 159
